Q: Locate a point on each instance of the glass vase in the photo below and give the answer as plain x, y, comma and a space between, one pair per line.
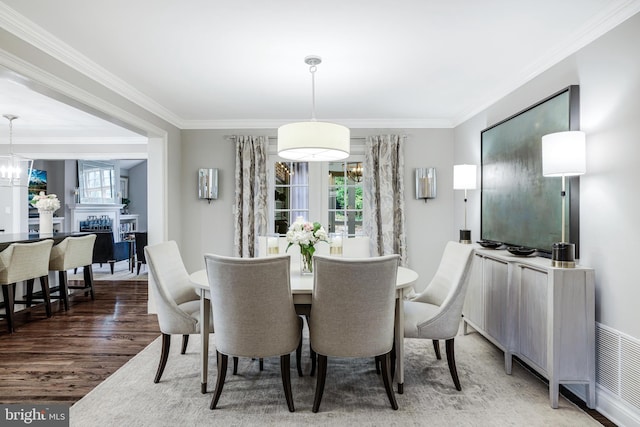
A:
306, 262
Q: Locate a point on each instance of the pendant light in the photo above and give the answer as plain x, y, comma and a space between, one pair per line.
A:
12, 165
313, 140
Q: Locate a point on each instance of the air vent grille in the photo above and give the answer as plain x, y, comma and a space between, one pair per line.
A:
630, 371
607, 364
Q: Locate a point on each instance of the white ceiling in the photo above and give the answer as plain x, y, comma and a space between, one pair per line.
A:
239, 63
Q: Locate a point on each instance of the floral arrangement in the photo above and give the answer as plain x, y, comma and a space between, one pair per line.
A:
306, 235
46, 202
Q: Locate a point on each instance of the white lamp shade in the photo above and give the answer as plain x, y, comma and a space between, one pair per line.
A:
564, 153
464, 177
313, 141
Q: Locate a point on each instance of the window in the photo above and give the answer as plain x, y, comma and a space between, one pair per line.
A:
302, 189
345, 198
97, 182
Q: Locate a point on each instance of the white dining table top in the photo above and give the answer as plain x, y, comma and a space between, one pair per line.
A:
303, 284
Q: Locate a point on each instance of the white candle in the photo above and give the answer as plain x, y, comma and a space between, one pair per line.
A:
335, 245
272, 245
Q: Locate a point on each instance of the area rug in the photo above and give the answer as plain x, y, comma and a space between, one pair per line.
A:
354, 394
121, 272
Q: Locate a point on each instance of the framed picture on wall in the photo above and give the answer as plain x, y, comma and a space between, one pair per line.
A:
124, 187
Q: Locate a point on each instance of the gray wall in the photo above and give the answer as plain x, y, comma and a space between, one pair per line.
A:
608, 72
209, 227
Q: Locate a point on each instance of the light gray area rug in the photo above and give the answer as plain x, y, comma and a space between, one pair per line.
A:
354, 394
120, 272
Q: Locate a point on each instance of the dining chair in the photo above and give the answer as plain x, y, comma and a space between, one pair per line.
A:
356, 247
141, 239
24, 262
435, 313
177, 303
352, 313
254, 314
72, 252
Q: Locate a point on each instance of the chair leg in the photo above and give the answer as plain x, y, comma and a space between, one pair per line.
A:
139, 265
378, 365
235, 365
222, 373
451, 360
299, 350
261, 363
312, 355
164, 355
44, 283
87, 272
62, 289
29, 292
112, 265
436, 348
322, 375
385, 360
7, 293
285, 367
185, 341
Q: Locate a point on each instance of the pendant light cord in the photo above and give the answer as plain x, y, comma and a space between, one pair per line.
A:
312, 70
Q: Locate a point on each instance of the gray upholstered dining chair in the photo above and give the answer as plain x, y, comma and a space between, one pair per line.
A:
177, 302
435, 313
352, 313
254, 314
72, 252
24, 262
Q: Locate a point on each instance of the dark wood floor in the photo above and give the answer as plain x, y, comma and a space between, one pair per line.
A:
61, 359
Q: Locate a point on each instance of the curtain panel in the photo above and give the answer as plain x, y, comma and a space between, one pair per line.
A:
384, 218
250, 208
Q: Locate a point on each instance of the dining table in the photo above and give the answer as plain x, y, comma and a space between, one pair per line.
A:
302, 291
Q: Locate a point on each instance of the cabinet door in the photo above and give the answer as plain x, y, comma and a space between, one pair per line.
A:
496, 286
474, 302
533, 315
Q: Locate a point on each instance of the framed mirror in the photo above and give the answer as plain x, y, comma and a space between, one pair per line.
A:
97, 182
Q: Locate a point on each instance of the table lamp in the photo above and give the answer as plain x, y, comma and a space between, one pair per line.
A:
563, 154
464, 178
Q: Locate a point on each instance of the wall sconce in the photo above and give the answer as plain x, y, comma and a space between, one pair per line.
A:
425, 183
208, 184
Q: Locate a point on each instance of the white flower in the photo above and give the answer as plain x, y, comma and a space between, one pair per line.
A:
46, 202
306, 233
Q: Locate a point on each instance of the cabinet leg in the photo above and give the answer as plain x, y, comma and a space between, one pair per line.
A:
590, 393
508, 362
554, 390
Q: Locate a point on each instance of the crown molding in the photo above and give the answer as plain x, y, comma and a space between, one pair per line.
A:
589, 32
350, 123
38, 37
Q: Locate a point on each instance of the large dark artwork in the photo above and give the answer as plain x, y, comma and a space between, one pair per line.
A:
520, 206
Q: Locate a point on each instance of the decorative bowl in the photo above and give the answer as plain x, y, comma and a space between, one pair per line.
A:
489, 244
520, 250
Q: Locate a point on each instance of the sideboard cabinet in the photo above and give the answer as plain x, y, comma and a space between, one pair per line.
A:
543, 315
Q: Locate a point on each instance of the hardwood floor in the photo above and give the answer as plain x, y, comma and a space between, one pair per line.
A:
61, 359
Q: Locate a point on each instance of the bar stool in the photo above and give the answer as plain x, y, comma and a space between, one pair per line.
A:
73, 252
24, 262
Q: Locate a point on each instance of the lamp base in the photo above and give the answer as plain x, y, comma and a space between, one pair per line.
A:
465, 236
563, 255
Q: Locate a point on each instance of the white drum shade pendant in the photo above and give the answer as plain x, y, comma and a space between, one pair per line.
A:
313, 140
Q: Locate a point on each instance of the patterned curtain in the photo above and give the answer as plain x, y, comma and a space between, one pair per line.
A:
250, 210
383, 186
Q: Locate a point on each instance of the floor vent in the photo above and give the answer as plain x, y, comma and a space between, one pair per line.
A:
618, 364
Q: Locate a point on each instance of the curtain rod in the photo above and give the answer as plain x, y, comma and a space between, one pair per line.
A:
275, 138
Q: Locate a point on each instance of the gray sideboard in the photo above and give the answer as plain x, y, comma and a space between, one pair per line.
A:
543, 315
